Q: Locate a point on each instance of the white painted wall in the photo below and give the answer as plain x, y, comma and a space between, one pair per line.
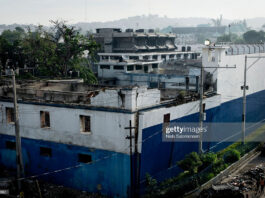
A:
107, 128
156, 116
230, 80
135, 98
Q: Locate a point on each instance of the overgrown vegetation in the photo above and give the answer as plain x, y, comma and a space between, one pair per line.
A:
198, 169
53, 53
249, 37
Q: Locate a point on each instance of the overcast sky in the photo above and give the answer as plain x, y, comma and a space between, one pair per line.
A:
41, 11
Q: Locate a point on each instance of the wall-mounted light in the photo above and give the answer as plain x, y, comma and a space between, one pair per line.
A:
207, 42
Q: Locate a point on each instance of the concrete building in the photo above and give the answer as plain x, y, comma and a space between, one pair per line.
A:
128, 58
195, 35
74, 134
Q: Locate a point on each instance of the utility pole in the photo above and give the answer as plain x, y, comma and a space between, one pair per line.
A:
244, 87
208, 44
201, 109
131, 158
20, 167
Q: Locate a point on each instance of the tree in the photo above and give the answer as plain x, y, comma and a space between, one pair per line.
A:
230, 38
71, 45
254, 37
191, 163
10, 49
51, 53
40, 52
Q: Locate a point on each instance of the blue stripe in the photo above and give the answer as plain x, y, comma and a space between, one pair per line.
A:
113, 173
159, 158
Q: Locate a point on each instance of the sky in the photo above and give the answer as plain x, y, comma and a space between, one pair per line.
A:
42, 11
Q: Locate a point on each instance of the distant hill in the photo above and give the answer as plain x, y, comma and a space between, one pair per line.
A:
149, 22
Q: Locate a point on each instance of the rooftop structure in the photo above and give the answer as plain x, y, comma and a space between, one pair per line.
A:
132, 57
193, 35
114, 40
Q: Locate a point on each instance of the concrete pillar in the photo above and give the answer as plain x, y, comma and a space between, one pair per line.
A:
187, 80
197, 84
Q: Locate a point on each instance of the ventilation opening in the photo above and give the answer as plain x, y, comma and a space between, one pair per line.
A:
83, 158
85, 123
45, 151
10, 115
166, 122
45, 119
11, 145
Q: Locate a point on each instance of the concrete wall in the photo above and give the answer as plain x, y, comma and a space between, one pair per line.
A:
107, 128
230, 80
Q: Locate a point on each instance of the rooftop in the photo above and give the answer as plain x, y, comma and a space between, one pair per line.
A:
76, 93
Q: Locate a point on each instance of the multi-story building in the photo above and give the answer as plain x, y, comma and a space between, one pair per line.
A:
77, 135
128, 58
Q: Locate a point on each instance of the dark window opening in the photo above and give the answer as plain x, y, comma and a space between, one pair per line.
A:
84, 158
139, 67
154, 66
85, 123
44, 151
130, 67
183, 49
166, 122
146, 69
45, 119
11, 145
10, 117
134, 57
104, 67
118, 67
203, 107
154, 57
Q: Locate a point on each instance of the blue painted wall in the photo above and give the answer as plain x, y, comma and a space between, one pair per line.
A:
112, 173
159, 158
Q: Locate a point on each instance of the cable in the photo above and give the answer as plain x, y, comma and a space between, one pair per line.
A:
67, 168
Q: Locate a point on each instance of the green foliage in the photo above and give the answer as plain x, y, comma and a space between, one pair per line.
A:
254, 37
40, 52
181, 95
151, 186
10, 48
219, 166
208, 159
231, 156
249, 37
52, 53
208, 166
71, 45
230, 38
27, 76
207, 176
191, 162
85, 71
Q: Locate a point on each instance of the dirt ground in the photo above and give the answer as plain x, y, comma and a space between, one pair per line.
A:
258, 161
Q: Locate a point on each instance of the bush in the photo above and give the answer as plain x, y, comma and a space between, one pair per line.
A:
207, 159
151, 189
191, 162
206, 177
219, 166
231, 156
